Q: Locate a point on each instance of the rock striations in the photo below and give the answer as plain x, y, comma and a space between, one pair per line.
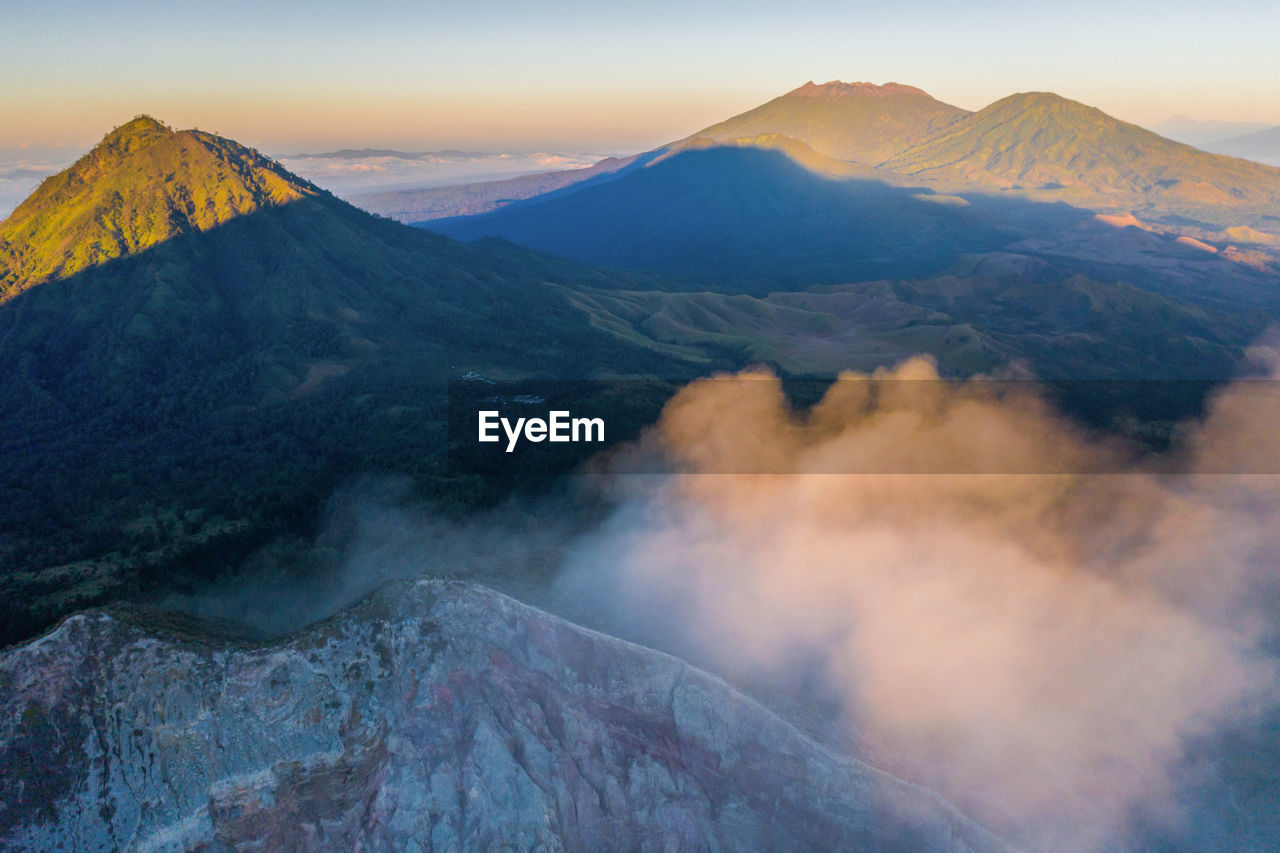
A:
434, 716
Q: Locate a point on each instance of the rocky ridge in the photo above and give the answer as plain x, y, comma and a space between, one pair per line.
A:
434, 716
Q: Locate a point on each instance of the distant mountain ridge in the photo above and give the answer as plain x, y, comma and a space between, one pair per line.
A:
1035, 144
848, 121
1262, 146
1039, 140
1199, 133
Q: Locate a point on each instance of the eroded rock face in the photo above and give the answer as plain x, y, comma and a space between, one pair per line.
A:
435, 716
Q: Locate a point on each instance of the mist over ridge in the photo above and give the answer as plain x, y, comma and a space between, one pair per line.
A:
859, 567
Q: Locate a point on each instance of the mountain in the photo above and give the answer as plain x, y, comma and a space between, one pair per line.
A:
199, 347
191, 244
1038, 146
817, 265
847, 121
436, 715
1262, 146
1200, 133
751, 215
142, 185
1039, 141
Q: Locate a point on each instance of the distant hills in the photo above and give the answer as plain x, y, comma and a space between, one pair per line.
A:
1039, 141
1036, 145
1036, 142
1198, 133
1249, 140
481, 197
1034, 182
199, 347
770, 212
1260, 145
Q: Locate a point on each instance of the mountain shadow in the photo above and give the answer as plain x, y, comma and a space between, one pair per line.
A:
746, 219
166, 413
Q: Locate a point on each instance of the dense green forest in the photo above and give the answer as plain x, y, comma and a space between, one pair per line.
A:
199, 349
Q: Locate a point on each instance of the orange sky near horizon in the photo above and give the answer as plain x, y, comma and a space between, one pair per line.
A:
569, 75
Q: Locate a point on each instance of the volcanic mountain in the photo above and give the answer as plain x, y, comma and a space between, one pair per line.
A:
751, 214
198, 346
1036, 146
435, 715
1041, 141
848, 121
143, 184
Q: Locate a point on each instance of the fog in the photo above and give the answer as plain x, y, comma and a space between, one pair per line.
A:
1038, 647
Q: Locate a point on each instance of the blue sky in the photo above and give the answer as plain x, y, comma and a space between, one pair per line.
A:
581, 76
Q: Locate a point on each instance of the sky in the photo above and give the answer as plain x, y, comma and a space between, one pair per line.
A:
563, 75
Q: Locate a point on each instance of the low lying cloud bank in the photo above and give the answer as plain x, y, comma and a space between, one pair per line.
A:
1039, 648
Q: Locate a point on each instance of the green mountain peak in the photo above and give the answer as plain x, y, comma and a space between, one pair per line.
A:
142, 184
140, 131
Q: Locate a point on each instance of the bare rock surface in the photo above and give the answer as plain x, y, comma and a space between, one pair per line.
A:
436, 715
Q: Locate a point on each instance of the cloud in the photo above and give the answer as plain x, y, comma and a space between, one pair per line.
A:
1038, 647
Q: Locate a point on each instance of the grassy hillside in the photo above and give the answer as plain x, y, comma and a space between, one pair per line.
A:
142, 185
1064, 149
1062, 325
848, 121
169, 409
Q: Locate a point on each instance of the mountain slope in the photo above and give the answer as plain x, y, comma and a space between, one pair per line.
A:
848, 121
434, 716
746, 217
142, 185
1041, 141
983, 314
167, 411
